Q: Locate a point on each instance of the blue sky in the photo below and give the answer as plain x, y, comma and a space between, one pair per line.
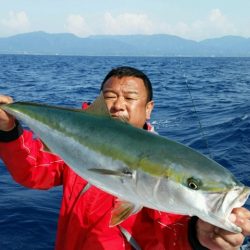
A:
191, 19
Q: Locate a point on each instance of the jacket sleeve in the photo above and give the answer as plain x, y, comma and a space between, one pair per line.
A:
175, 235
178, 231
152, 229
172, 229
27, 160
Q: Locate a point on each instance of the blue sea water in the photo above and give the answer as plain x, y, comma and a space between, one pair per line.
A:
201, 102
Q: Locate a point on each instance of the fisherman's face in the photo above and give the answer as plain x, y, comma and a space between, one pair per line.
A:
126, 99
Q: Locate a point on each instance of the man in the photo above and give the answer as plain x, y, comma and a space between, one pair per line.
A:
86, 210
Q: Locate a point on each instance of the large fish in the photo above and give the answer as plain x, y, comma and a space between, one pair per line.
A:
141, 168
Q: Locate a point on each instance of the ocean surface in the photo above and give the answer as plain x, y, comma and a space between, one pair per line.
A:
201, 102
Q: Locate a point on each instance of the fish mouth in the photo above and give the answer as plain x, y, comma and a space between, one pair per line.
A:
222, 207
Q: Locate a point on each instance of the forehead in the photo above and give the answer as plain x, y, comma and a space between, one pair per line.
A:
125, 84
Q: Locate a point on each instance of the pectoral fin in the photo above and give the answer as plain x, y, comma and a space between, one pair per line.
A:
120, 173
122, 210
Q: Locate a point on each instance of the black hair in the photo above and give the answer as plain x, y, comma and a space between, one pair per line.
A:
129, 71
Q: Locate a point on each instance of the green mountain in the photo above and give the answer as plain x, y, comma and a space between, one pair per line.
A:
123, 45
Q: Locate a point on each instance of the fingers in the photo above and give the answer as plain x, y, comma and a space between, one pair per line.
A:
5, 99
242, 219
216, 238
7, 122
226, 240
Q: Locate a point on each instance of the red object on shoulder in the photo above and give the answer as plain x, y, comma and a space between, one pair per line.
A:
86, 210
85, 105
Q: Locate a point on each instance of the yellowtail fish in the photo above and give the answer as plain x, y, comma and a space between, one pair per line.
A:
141, 168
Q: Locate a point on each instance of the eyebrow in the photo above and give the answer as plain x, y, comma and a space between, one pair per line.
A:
125, 91
131, 92
108, 90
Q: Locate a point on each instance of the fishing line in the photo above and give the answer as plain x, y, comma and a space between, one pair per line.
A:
202, 132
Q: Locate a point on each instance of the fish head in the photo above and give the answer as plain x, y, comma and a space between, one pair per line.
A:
211, 194
219, 206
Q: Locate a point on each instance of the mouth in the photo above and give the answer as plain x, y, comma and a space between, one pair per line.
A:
224, 205
119, 117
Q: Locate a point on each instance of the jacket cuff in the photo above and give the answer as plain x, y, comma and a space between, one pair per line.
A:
194, 242
8, 136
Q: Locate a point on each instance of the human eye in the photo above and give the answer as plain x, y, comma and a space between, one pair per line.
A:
109, 95
130, 97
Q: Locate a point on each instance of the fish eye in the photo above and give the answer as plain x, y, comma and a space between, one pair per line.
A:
193, 183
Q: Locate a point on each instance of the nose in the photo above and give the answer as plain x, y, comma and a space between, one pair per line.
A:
119, 104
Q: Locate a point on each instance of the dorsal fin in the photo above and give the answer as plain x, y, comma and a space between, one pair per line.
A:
98, 107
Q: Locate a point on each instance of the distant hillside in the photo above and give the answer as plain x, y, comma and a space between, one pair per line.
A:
127, 45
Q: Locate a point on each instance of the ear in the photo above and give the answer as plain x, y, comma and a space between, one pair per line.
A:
149, 108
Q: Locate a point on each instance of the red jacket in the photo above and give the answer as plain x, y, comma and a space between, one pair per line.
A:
85, 212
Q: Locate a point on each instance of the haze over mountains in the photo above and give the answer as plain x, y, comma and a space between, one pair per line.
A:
123, 45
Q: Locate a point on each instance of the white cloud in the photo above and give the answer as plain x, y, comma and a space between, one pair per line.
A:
77, 25
220, 23
216, 24
16, 22
127, 23
216, 16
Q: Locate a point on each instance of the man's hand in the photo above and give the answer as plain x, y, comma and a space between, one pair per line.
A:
7, 122
216, 238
